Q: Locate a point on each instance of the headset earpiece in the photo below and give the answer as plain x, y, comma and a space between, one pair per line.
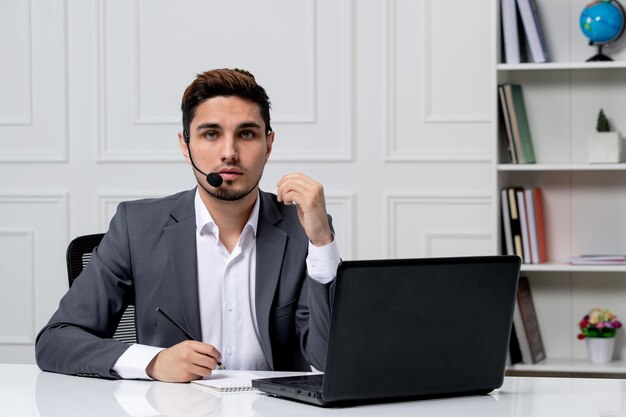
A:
186, 136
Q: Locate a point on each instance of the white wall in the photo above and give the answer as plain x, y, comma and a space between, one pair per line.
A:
388, 103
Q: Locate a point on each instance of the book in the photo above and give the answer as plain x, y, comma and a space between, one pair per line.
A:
532, 225
521, 207
598, 260
504, 112
520, 336
516, 229
506, 224
510, 32
510, 106
527, 325
532, 29
522, 125
227, 381
536, 226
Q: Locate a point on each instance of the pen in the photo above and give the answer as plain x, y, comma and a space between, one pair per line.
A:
185, 332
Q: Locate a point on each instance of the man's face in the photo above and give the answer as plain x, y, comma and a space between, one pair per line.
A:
228, 136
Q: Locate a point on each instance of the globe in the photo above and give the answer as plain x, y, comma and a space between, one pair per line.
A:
602, 22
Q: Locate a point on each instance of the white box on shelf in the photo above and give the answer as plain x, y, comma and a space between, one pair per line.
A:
605, 148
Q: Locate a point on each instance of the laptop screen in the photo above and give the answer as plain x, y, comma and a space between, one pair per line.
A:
420, 327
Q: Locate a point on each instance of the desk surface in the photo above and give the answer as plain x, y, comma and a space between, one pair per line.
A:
26, 391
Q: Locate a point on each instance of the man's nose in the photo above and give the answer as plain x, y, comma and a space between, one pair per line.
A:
229, 150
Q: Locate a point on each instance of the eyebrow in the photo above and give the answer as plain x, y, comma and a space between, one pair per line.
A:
242, 125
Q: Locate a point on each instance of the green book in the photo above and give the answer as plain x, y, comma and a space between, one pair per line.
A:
522, 124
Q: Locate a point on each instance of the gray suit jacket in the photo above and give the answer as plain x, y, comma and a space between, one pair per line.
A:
148, 258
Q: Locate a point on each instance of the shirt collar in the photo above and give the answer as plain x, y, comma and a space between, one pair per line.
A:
205, 223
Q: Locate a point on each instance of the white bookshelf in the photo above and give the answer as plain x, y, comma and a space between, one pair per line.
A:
562, 167
584, 204
570, 367
552, 266
548, 66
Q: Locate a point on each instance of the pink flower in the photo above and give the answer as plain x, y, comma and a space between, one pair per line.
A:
600, 325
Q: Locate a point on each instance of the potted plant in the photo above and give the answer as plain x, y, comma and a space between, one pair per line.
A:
598, 328
604, 146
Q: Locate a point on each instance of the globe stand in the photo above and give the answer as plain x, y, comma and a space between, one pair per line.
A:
599, 56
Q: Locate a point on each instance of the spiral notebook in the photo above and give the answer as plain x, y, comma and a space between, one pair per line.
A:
227, 381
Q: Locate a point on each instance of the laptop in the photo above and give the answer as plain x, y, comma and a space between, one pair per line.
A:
410, 329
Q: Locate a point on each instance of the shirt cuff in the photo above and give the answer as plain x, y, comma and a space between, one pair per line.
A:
322, 262
133, 363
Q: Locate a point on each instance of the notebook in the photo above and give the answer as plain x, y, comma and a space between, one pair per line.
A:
227, 381
411, 329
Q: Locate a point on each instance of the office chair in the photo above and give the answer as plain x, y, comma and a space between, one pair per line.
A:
78, 255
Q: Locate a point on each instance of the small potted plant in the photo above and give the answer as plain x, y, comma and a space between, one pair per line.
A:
598, 328
604, 146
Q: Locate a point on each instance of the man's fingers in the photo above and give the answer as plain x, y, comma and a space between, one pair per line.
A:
206, 350
183, 362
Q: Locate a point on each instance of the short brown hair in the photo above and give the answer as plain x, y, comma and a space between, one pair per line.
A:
224, 82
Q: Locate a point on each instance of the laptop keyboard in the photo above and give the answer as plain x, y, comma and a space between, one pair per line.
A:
314, 384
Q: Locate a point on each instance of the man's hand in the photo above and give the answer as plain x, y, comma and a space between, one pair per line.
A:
308, 195
184, 362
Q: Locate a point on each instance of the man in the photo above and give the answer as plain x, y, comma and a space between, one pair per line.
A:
249, 274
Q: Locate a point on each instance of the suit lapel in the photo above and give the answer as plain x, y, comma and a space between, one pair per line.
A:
270, 250
181, 244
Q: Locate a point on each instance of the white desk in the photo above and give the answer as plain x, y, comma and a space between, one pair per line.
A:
26, 391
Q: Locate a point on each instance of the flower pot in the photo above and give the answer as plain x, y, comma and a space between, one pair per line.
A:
600, 349
605, 148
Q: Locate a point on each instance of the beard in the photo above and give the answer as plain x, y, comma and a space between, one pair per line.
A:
226, 192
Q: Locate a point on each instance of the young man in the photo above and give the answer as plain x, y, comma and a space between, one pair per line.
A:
247, 273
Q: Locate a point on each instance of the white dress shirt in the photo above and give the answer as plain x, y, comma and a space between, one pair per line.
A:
226, 288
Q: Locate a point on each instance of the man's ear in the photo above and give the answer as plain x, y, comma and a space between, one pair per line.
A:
183, 146
269, 142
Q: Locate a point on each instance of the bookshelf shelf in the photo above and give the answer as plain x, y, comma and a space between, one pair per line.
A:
569, 367
559, 66
562, 167
565, 267
584, 205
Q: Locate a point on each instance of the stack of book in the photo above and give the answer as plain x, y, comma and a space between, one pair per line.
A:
523, 224
525, 344
598, 260
514, 15
517, 137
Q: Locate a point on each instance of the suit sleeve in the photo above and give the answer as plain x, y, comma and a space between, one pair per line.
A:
313, 318
78, 338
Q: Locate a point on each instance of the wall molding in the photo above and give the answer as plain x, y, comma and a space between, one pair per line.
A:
58, 154
346, 202
342, 153
392, 150
393, 201
27, 119
28, 269
429, 115
430, 236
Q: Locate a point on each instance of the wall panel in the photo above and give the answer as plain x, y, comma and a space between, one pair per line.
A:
33, 100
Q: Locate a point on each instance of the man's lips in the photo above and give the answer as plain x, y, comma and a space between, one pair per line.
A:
229, 175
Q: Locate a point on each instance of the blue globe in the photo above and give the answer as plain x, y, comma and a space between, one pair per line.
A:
602, 21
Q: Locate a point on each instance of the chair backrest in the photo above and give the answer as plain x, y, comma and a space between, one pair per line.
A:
78, 256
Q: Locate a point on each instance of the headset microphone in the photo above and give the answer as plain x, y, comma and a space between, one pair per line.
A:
214, 179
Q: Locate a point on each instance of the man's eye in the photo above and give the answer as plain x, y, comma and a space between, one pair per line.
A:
211, 134
247, 134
